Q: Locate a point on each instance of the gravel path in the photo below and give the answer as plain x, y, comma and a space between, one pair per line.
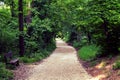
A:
61, 65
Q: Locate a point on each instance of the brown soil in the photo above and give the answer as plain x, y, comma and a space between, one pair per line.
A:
102, 68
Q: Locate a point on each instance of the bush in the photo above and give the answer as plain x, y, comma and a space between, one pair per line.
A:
26, 59
39, 35
4, 73
34, 57
8, 40
79, 44
116, 65
76, 44
8, 31
89, 52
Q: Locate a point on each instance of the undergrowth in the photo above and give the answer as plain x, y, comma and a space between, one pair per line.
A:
41, 54
89, 52
35, 57
116, 65
5, 74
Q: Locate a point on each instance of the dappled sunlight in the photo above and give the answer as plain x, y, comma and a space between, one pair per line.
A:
108, 67
101, 65
100, 76
103, 69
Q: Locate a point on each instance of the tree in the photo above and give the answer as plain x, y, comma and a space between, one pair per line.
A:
21, 29
105, 23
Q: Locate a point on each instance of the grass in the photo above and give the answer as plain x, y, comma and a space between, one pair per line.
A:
88, 52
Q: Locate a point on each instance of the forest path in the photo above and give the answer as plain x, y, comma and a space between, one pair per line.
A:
61, 65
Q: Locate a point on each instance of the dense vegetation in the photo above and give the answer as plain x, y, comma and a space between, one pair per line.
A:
89, 22
30, 34
28, 28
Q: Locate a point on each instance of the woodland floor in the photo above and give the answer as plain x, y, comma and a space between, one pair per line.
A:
102, 68
62, 64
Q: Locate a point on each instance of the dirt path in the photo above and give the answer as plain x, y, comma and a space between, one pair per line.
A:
61, 65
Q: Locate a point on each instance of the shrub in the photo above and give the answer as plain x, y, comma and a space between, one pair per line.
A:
80, 43
4, 73
116, 65
32, 58
76, 44
8, 40
39, 35
89, 52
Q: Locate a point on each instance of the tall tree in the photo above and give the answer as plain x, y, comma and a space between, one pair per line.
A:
21, 38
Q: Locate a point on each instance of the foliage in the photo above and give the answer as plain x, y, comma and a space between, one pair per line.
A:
81, 22
34, 57
98, 21
105, 28
116, 65
8, 34
4, 73
89, 52
76, 44
39, 35
7, 40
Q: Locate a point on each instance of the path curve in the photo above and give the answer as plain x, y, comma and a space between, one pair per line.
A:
61, 65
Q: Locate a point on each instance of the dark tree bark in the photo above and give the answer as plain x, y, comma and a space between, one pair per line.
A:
111, 40
89, 37
21, 38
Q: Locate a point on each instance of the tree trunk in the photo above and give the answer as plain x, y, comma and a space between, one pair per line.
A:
111, 44
89, 37
21, 38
